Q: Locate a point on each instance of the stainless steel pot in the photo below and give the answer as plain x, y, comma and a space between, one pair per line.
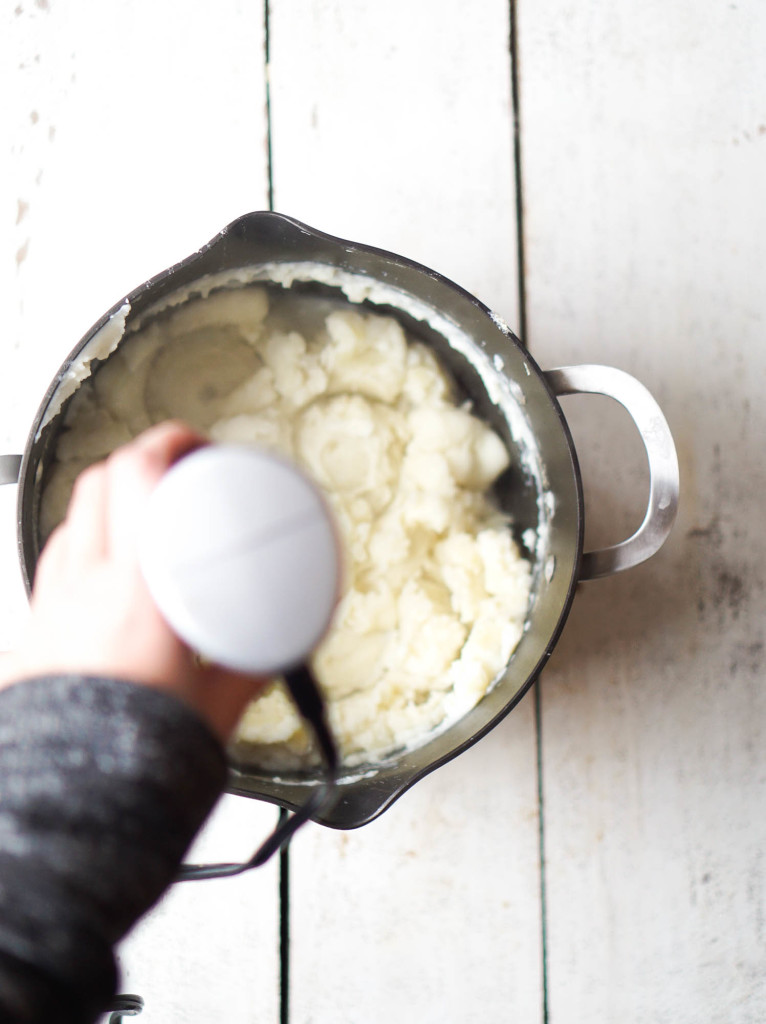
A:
542, 491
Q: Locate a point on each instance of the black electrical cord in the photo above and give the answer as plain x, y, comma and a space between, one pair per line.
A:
305, 693
308, 700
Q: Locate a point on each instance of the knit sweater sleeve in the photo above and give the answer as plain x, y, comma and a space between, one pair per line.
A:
103, 785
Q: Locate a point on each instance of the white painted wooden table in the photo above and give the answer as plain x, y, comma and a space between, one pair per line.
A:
601, 856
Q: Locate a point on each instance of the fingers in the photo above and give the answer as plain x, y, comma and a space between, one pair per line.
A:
134, 471
107, 496
85, 524
81, 539
161, 446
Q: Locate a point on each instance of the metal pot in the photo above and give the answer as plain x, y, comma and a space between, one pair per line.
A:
542, 491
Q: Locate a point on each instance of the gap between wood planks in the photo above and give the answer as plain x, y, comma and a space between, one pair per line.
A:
284, 854
284, 859
523, 334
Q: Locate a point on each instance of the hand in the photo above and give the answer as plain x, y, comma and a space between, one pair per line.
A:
91, 612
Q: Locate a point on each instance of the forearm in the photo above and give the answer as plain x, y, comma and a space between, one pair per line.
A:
103, 785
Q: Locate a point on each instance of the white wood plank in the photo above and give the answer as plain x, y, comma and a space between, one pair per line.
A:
644, 158
392, 126
209, 950
431, 912
132, 132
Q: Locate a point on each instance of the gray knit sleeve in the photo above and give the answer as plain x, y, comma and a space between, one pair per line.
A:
103, 784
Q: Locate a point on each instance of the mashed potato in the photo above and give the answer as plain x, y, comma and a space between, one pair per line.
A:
435, 592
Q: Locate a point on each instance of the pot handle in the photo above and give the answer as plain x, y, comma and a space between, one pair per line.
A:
10, 465
660, 451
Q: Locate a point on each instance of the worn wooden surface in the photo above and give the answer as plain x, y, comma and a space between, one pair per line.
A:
131, 133
648, 253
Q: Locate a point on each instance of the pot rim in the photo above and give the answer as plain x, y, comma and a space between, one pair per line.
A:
386, 782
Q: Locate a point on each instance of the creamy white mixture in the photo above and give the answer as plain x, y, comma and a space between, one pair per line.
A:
435, 592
